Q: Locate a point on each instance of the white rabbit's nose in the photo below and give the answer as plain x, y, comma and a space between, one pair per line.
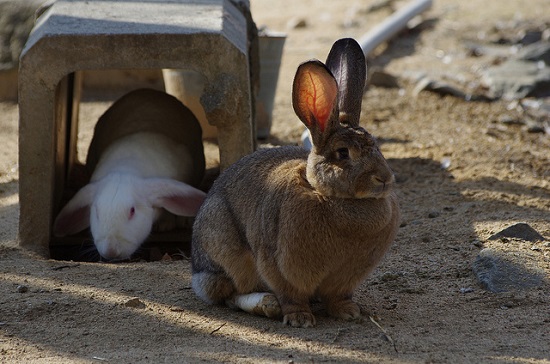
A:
108, 250
109, 253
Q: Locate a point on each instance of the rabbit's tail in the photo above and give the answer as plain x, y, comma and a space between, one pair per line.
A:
212, 287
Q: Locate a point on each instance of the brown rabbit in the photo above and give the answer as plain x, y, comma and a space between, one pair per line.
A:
299, 224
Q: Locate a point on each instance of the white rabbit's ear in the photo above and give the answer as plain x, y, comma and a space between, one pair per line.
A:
177, 197
347, 63
314, 96
75, 216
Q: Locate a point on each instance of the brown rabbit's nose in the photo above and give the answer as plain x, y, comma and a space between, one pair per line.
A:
384, 180
380, 180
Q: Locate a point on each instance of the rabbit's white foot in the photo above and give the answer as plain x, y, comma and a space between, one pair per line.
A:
263, 304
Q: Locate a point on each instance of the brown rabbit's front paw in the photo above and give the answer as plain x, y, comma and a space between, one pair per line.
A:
346, 310
299, 319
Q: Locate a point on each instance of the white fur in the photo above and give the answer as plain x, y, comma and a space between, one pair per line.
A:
145, 155
257, 303
135, 177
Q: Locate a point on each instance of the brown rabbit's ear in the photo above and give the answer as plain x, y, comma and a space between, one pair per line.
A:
347, 63
314, 96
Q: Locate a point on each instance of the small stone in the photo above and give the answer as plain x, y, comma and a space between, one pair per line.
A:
445, 163
519, 231
296, 23
378, 5
535, 128
22, 289
510, 120
530, 37
465, 290
134, 303
433, 214
477, 243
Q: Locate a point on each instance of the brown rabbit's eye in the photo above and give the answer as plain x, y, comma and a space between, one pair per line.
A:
342, 153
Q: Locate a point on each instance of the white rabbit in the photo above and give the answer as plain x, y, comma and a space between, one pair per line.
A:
145, 156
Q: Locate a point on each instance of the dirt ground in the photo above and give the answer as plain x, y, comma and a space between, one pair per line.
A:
423, 304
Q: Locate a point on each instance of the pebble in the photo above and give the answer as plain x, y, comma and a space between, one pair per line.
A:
510, 120
534, 127
379, 5
477, 243
433, 214
22, 289
296, 23
445, 163
135, 303
505, 271
521, 231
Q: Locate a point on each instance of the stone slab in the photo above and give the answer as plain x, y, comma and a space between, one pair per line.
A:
210, 37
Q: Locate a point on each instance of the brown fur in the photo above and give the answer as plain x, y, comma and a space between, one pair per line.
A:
302, 225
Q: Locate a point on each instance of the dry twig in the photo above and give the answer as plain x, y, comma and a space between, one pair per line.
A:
217, 329
386, 335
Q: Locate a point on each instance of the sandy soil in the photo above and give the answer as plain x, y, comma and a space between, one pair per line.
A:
422, 305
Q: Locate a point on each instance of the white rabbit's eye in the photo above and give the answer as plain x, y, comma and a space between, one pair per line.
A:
132, 213
342, 153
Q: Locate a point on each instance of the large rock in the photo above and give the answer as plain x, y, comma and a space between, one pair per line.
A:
526, 75
213, 38
501, 271
16, 22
